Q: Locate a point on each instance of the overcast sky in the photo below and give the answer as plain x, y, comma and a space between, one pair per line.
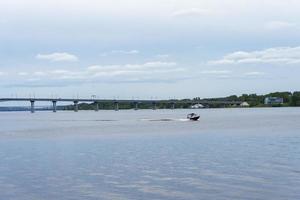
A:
148, 48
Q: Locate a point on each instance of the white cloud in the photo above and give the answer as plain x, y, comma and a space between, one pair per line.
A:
148, 72
57, 57
39, 73
163, 56
23, 73
254, 74
131, 69
65, 74
60, 71
33, 79
1, 73
159, 64
191, 12
278, 55
143, 66
216, 72
124, 52
279, 25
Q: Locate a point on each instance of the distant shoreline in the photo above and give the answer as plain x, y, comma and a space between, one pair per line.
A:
288, 99
24, 109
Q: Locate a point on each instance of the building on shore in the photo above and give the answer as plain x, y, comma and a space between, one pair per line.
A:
273, 100
245, 104
197, 106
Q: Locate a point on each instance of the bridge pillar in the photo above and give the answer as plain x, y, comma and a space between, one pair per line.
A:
136, 105
116, 106
96, 106
153, 105
32, 110
75, 106
54, 106
173, 106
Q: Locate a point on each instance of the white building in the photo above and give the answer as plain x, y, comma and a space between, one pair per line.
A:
245, 104
273, 100
197, 106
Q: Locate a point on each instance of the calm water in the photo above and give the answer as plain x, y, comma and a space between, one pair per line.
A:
229, 154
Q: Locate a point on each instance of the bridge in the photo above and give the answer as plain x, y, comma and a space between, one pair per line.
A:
76, 102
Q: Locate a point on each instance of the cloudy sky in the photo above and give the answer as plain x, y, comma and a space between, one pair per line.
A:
148, 48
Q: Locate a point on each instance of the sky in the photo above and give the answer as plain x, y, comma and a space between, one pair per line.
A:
142, 49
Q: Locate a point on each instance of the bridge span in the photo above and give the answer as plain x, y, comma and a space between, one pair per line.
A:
116, 102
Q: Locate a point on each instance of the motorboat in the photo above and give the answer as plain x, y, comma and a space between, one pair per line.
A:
193, 117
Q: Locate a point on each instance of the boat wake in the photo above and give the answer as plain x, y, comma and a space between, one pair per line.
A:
165, 120
84, 120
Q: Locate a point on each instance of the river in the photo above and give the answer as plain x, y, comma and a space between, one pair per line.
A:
150, 154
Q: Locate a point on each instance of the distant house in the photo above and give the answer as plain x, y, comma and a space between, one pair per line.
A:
244, 104
273, 100
197, 106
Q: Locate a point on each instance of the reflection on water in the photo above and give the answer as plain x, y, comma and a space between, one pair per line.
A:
228, 154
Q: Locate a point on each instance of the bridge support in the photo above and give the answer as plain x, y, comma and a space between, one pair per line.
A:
153, 105
136, 105
32, 110
173, 105
54, 106
75, 106
116, 106
96, 106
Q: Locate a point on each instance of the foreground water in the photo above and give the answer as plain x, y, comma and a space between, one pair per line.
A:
145, 154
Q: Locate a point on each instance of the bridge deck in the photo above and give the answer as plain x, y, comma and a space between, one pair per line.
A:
116, 100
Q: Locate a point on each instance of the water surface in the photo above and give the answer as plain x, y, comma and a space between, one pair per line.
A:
145, 154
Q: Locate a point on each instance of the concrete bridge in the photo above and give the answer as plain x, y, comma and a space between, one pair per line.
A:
76, 101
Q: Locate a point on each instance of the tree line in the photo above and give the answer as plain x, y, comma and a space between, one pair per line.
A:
254, 100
